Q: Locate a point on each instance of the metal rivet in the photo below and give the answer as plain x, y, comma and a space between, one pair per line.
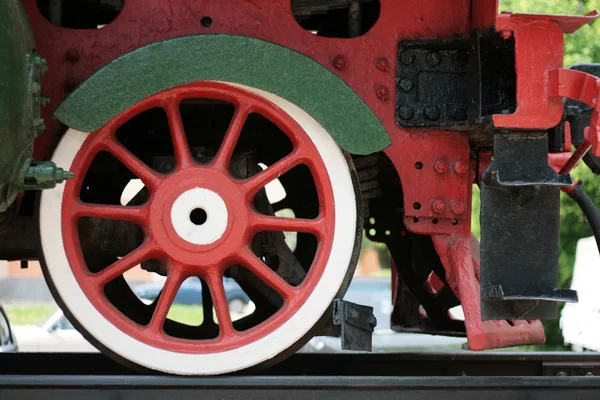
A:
70, 84
440, 166
340, 62
432, 113
406, 84
383, 93
406, 112
72, 55
35, 88
458, 208
383, 64
438, 206
460, 167
459, 114
407, 58
39, 125
434, 58
461, 58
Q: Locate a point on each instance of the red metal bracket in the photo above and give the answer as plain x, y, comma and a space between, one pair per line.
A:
459, 254
539, 47
585, 88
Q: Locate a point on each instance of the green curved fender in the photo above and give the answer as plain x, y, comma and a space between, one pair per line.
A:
244, 60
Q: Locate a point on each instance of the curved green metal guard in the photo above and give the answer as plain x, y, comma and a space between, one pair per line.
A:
227, 58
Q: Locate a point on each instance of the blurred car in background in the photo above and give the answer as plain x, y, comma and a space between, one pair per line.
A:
376, 292
55, 335
190, 293
8, 344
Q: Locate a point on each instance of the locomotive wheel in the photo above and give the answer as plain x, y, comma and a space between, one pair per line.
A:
207, 249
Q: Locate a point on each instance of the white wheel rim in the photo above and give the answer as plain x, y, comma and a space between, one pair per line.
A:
239, 358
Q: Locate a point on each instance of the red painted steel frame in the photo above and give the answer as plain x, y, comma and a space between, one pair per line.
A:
73, 55
435, 167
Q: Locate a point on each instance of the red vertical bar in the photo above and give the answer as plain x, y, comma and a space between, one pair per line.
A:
483, 13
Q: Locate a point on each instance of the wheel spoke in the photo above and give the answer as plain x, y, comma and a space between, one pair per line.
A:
207, 305
273, 172
261, 223
180, 144
266, 274
223, 157
165, 299
108, 274
150, 178
135, 214
217, 291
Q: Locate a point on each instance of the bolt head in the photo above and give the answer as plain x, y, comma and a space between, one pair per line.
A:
39, 125
459, 114
406, 112
460, 167
407, 58
383, 64
461, 58
383, 93
440, 166
340, 62
72, 55
406, 84
458, 208
438, 206
506, 35
432, 113
434, 58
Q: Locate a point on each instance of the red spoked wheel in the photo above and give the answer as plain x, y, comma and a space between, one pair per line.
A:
204, 211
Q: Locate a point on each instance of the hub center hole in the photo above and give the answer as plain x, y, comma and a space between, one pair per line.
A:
198, 216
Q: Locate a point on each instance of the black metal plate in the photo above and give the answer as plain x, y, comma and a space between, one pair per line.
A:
520, 221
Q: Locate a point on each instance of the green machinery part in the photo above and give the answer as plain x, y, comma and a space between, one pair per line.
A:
227, 58
21, 70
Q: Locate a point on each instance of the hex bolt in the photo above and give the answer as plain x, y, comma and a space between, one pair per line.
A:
72, 55
35, 88
434, 58
432, 113
460, 167
406, 84
506, 34
407, 58
438, 206
440, 166
340, 62
39, 125
459, 114
458, 208
383, 64
406, 112
383, 93
461, 58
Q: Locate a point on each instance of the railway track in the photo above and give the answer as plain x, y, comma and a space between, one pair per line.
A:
315, 376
